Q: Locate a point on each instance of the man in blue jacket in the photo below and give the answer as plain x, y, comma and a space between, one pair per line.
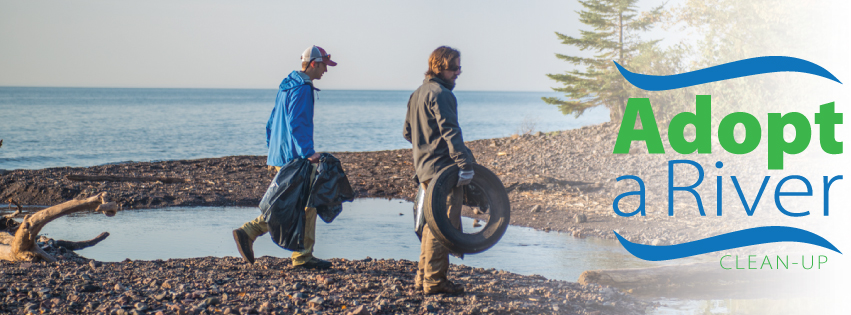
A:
289, 135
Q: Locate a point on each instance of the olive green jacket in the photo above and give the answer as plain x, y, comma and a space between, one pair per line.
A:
431, 125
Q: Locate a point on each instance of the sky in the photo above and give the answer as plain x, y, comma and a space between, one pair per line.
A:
379, 45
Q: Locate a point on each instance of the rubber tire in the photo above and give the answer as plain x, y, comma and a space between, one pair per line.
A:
435, 211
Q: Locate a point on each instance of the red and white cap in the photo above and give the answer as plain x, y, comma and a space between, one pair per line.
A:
316, 53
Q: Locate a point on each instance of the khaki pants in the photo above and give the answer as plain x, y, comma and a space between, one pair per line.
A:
433, 267
258, 227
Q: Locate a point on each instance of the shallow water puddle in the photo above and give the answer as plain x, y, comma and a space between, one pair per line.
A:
366, 227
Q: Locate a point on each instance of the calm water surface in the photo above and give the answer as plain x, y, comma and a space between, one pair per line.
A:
52, 127
367, 227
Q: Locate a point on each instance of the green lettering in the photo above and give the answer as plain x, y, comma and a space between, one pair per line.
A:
777, 146
827, 119
639, 107
766, 261
721, 262
781, 262
726, 134
702, 121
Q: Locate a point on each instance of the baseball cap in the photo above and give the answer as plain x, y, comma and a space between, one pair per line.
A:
316, 53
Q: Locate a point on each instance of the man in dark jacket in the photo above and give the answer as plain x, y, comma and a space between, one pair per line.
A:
431, 125
289, 135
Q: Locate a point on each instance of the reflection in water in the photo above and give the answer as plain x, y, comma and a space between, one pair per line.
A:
367, 227
380, 229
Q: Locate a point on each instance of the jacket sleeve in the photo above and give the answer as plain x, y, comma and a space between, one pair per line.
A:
269, 125
301, 121
406, 132
445, 112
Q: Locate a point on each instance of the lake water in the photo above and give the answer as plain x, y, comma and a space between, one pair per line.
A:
374, 228
51, 127
366, 227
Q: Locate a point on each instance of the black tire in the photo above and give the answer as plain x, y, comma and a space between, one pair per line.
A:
437, 220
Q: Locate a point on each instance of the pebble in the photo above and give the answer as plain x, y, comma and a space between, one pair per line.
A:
141, 307
382, 282
360, 310
211, 301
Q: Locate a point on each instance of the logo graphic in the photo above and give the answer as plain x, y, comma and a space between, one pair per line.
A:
746, 237
732, 70
736, 239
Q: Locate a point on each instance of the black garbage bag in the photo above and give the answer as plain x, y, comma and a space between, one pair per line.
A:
330, 189
284, 202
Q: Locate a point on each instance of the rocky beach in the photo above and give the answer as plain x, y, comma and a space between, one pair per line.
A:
562, 181
559, 181
212, 285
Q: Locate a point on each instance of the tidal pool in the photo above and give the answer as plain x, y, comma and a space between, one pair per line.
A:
378, 228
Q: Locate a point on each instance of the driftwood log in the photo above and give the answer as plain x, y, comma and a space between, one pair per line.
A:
106, 178
22, 245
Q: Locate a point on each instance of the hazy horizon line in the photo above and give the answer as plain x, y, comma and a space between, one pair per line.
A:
238, 88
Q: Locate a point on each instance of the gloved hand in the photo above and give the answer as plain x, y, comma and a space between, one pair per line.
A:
464, 177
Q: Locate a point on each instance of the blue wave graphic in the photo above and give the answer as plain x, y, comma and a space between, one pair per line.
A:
746, 237
732, 70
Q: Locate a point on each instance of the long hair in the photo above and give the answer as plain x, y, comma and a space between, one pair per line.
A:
440, 60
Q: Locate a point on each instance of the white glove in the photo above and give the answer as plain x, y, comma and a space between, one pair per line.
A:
464, 177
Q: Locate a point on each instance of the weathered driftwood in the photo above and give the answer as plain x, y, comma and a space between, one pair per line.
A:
22, 246
7, 222
648, 277
106, 178
71, 245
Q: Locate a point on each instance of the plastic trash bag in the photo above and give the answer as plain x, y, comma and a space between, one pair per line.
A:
284, 202
290, 192
419, 217
330, 189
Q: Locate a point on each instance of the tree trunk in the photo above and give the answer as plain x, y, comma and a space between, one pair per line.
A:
22, 246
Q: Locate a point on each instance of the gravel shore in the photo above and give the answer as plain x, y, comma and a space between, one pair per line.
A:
560, 181
227, 285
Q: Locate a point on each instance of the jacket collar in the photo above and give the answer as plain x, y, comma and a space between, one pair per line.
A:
447, 85
295, 79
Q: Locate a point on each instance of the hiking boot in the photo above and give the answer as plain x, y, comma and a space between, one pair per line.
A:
315, 263
446, 287
244, 244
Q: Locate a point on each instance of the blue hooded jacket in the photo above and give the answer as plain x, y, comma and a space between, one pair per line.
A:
289, 132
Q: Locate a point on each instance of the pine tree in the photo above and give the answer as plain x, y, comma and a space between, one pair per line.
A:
615, 25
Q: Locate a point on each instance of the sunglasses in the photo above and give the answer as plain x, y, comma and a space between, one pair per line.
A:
453, 68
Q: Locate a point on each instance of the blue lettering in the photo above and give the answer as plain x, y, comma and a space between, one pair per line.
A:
778, 193
826, 190
750, 209
640, 193
690, 189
